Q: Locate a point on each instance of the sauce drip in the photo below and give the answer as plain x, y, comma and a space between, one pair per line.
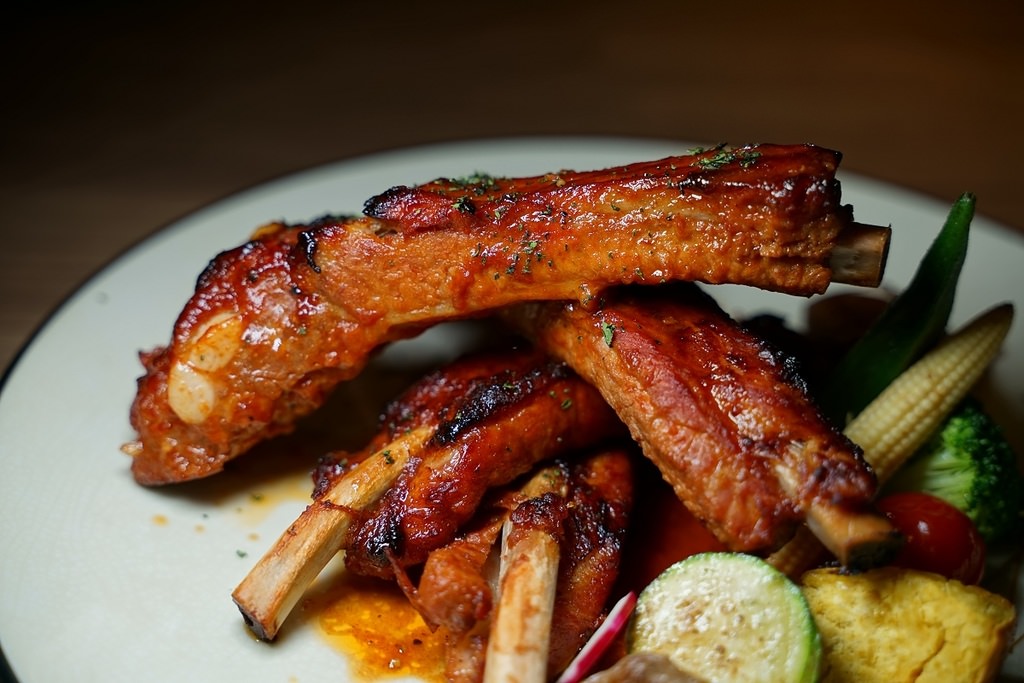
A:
373, 624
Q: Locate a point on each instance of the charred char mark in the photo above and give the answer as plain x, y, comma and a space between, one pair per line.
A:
596, 526
599, 518
789, 350
307, 243
481, 403
330, 219
386, 542
491, 396
789, 366
547, 513
793, 373
378, 205
221, 264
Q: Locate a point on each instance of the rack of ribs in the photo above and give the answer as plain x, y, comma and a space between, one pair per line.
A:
720, 413
457, 434
275, 324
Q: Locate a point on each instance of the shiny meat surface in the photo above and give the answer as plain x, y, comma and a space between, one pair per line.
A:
588, 516
600, 504
470, 426
276, 323
470, 389
503, 424
457, 584
720, 413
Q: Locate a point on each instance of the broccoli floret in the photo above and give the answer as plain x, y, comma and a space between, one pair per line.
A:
969, 463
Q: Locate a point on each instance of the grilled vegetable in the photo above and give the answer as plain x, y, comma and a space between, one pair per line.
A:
969, 464
728, 617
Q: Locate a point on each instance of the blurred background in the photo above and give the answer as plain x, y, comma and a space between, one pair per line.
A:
119, 117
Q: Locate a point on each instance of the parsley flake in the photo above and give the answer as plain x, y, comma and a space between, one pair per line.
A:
722, 157
608, 332
464, 205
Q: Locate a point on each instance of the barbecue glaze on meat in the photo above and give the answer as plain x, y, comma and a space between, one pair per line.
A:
601, 500
720, 413
474, 425
497, 419
276, 323
527, 411
587, 513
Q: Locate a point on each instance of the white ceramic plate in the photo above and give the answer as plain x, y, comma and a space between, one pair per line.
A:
102, 580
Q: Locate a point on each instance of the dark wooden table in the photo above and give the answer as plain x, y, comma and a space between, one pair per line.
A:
120, 117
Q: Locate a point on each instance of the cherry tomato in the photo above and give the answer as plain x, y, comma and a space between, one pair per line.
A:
939, 537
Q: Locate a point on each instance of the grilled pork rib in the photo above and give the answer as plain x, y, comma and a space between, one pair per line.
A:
600, 505
527, 412
721, 415
456, 588
583, 506
471, 426
276, 323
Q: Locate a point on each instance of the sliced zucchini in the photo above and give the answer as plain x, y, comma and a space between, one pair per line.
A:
726, 616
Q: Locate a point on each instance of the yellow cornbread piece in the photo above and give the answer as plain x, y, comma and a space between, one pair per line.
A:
892, 625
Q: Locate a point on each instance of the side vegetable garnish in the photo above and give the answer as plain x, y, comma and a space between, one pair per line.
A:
728, 617
901, 419
939, 538
910, 409
969, 464
909, 326
602, 639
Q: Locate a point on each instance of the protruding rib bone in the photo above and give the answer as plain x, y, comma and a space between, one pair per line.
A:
517, 647
277, 582
476, 424
860, 254
857, 536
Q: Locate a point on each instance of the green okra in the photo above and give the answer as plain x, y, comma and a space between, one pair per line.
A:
908, 327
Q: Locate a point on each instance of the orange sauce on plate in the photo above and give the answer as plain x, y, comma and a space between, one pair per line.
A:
380, 633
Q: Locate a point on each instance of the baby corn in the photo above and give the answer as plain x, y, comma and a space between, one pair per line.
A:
899, 421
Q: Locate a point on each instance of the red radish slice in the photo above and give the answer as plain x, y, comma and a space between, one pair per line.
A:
603, 637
